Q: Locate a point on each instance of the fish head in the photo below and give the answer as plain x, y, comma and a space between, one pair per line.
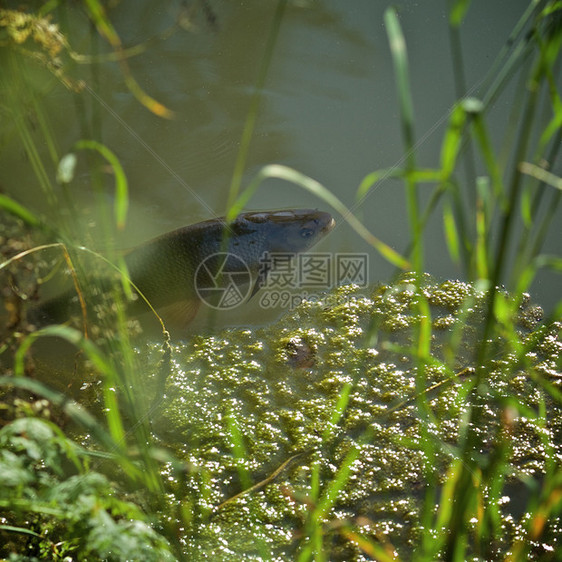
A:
291, 231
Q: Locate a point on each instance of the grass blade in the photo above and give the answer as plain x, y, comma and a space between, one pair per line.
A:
251, 118
121, 187
541, 174
400, 60
14, 208
99, 17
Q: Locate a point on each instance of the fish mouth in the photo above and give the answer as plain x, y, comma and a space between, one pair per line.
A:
329, 225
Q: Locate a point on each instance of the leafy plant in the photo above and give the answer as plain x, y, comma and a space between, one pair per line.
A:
55, 505
57, 502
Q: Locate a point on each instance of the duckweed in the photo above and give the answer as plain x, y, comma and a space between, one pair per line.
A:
284, 382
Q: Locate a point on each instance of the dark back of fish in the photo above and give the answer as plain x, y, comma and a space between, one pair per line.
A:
164, 269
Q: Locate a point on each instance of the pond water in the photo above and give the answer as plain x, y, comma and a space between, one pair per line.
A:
328, 109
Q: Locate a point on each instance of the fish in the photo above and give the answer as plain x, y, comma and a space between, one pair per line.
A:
219, 263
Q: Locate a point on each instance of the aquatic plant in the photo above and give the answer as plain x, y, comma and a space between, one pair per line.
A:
333, 458
418, 417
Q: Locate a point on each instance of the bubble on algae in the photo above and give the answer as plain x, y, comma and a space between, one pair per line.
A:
283, 383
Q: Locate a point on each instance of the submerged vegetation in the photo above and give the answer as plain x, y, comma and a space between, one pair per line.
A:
418, 416
339, 413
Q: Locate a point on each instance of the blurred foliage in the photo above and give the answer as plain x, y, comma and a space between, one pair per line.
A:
54, 504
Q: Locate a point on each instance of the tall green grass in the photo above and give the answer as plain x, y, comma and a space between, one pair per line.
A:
498, 215
488, 216
121, 427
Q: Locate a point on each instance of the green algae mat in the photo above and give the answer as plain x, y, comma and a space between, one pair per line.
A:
323, 425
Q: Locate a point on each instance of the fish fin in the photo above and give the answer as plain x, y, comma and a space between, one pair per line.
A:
260, 281
257, 287
178, 315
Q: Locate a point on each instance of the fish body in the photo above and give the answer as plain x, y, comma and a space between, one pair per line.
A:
176, 270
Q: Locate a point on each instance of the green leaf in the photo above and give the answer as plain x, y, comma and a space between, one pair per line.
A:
400, 61
373, 178
14, 208
21, 530
452, 141
99, 17
121, 187
336, 484
458, 11
451, 233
